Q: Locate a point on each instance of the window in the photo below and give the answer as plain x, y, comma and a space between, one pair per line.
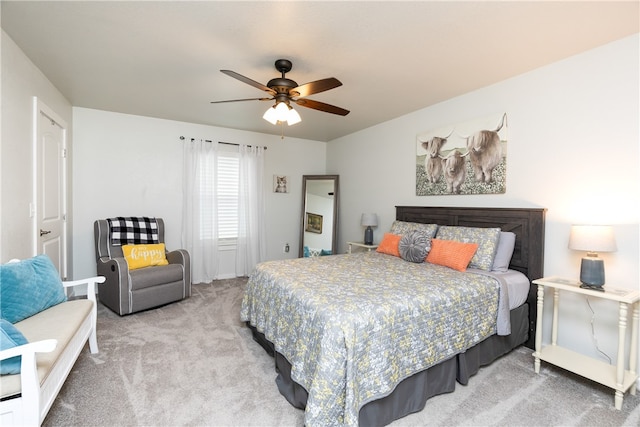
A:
228, 180
226, 184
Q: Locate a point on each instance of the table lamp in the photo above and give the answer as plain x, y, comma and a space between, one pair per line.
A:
369, 220
592, 239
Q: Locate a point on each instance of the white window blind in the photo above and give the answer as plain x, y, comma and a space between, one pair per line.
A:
226, 186
228, 183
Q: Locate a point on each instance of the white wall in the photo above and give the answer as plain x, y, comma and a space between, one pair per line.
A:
573, 149
21, 81
128, 165
320, 206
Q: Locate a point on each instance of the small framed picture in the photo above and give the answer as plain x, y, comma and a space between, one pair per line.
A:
314, 223
280, 184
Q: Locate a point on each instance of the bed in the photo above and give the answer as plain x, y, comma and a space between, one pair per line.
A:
361, 339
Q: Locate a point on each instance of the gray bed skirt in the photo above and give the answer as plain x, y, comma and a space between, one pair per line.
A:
412, 393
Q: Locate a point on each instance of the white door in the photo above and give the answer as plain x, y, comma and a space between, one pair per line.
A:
50, 179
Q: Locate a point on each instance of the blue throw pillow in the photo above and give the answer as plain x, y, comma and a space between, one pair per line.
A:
27, 287
324, 252
10, 337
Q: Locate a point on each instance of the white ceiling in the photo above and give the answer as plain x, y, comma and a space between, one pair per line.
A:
162, 59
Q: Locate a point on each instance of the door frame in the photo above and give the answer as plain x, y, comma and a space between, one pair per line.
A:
41, 109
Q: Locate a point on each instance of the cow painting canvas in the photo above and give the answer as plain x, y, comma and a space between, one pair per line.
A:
465, 158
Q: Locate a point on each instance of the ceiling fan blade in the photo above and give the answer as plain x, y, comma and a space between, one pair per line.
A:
248, 81
321, 106
317, 86
238, 100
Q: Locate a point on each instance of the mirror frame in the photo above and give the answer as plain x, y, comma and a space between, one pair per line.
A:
336, 192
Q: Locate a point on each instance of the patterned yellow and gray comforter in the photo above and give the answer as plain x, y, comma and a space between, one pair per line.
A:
353, 326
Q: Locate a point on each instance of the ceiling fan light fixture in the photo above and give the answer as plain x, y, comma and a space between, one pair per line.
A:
271, 115
294, 117
281, 112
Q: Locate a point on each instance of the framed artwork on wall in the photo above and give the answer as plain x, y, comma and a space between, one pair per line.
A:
280, 184
465, 158
314, 223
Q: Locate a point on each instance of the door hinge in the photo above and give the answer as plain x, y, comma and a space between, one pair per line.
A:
64, 153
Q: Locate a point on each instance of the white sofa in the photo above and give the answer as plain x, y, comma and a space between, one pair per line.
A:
56, 336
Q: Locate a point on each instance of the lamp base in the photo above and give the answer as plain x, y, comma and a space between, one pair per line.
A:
368, 235
592, 271
592, 287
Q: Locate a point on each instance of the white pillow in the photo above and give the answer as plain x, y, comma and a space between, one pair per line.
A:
506, 245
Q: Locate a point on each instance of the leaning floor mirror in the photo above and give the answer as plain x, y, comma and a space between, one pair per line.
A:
319, 218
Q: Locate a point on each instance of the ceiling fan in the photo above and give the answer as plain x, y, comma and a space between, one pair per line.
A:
284, 91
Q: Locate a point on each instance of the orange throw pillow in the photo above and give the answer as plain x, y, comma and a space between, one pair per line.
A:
451, 253
389, 244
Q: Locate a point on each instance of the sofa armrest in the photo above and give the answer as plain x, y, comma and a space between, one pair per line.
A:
43, 346
90, 285
29, 381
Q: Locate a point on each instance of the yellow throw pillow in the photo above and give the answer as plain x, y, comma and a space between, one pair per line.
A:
139, 256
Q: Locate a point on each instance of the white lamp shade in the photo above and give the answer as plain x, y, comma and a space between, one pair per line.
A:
294, 117
271, 115
369, 220
592, 238
282, 112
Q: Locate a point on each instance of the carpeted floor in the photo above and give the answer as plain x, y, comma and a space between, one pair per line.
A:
193, 363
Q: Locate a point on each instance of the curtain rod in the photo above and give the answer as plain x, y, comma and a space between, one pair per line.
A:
182, 138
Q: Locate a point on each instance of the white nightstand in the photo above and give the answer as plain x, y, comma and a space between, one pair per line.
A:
369, 248
614, 376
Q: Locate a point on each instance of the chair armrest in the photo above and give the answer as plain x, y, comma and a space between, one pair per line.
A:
178, 256
181, 256
113, 267
114, 292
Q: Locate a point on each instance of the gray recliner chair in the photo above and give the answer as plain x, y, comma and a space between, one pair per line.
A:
128, 291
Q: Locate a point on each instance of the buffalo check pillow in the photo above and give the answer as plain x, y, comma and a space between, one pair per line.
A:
133, 230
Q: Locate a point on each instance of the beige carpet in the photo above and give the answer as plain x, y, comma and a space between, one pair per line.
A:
193, 363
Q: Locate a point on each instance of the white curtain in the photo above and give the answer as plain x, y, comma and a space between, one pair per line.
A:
251, 244
200, 209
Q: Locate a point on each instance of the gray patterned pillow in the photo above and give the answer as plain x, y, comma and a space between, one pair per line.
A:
414, 246
403, 227
486, 238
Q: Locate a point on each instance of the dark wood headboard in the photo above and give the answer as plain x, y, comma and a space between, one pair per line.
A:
526, 223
